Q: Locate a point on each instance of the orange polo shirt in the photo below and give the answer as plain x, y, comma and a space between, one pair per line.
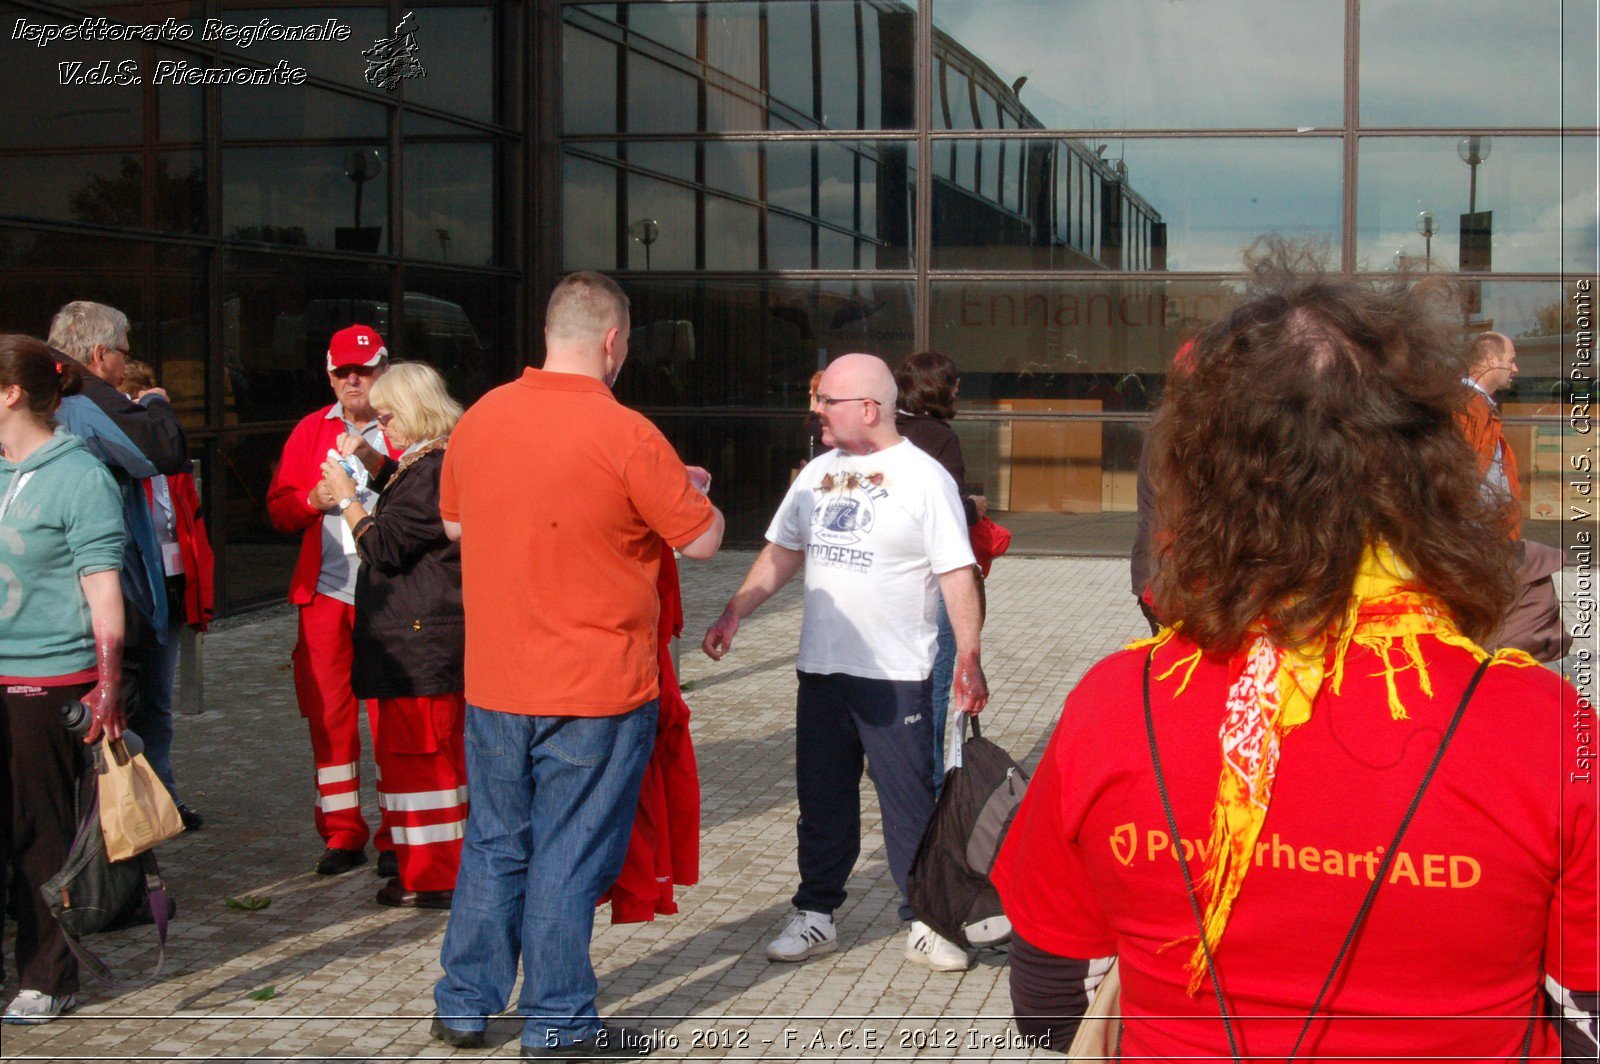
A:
564, 497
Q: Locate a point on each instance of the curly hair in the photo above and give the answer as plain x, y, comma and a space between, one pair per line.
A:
1318, 417
927, 384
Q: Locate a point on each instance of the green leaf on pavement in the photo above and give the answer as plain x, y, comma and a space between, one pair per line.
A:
266, 993
248, 902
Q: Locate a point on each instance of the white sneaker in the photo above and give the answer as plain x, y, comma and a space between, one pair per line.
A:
926, 946
807, 935
35, 1006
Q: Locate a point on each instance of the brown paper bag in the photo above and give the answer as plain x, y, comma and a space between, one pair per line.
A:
136, 812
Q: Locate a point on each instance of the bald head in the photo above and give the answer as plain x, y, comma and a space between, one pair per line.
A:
860, 417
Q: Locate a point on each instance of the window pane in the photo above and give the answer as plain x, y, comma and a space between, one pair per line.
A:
1134, 204
1106, 341
453, 321
107, 189
258, 560
160, 287
456, 47
1495, 64
338, 61
1150, 64
753, 343
1534, 199
278, 313
307, 197
303, 114
852, 197
855, 54
74, 115
450, 197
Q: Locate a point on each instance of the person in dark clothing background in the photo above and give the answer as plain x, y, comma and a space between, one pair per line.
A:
928, 384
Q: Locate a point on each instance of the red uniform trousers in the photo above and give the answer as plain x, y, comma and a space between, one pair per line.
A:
322, 657
422, 785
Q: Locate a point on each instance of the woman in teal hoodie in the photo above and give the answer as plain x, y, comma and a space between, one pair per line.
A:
60, 642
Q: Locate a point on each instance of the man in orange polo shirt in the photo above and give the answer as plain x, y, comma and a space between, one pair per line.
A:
563, 500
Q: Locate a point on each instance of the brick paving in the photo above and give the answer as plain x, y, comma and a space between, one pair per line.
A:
324, 973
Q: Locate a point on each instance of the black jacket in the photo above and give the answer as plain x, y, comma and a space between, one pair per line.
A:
151, 424
934, 437
410, 632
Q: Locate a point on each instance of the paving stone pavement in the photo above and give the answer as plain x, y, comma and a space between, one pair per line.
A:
323, 973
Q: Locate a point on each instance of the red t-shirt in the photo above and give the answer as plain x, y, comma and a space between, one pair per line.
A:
564, 497
1497, 874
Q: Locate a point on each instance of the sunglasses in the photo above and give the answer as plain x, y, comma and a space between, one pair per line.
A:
830, 401
384, 419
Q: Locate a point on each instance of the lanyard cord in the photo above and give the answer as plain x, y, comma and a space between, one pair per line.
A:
1372, 892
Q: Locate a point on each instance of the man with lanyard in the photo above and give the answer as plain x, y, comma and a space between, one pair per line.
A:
877, 526
323, 586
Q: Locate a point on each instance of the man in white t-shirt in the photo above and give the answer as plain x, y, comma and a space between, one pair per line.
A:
879, 528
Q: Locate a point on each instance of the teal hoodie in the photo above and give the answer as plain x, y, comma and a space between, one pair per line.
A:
60, 519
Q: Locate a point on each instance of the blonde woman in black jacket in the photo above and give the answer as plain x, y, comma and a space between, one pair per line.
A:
410, 634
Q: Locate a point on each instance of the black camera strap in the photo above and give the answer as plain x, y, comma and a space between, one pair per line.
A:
1366, 904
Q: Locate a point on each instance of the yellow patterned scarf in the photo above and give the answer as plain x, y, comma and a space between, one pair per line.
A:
1274, 693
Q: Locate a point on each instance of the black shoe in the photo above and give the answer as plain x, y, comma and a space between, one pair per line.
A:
612, 1042
192, 820
450, 1036
388, 864
395, 896
336, 862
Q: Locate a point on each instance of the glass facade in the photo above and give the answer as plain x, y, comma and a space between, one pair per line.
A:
1053, 192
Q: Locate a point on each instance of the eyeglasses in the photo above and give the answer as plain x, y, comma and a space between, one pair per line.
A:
829, 401
384, 419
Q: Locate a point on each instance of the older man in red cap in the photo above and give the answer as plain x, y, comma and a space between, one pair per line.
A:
323, 586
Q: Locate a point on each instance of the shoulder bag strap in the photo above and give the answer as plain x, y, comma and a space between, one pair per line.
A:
1372, 891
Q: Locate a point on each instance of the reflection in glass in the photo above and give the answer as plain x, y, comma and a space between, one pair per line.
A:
450, 197
457, 50
453, 323
257, 561
161, 287
1107, 342
324, 197
1129, 204
1534, 200
1476, 63
302, 114
337, 61
278, 313
754, 343
829, 205
1142, 64
831, 64
108, 190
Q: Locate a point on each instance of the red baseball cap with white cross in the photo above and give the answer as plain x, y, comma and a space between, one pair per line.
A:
357, 345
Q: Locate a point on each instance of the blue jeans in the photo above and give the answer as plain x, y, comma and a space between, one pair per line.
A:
155, 673
944, 672
552, 804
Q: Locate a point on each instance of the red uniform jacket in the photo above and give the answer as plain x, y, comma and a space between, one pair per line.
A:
199, 564
1480, 421
300, 470
665, 847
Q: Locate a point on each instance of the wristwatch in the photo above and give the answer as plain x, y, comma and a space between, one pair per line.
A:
344, 503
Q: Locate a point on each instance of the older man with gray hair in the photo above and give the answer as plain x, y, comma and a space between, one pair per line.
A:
137, 439
879, 528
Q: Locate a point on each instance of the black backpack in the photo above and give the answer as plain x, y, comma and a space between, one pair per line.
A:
949, 888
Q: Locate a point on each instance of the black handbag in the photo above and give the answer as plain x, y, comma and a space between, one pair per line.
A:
948, 888
92, 894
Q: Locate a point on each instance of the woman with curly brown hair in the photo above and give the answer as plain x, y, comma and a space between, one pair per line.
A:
1386, 828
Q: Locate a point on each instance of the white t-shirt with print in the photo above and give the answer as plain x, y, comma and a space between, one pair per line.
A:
876, 530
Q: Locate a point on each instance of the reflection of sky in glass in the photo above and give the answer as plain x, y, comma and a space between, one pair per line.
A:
1541, 191
1218, 195
1161, 64
1477, 62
